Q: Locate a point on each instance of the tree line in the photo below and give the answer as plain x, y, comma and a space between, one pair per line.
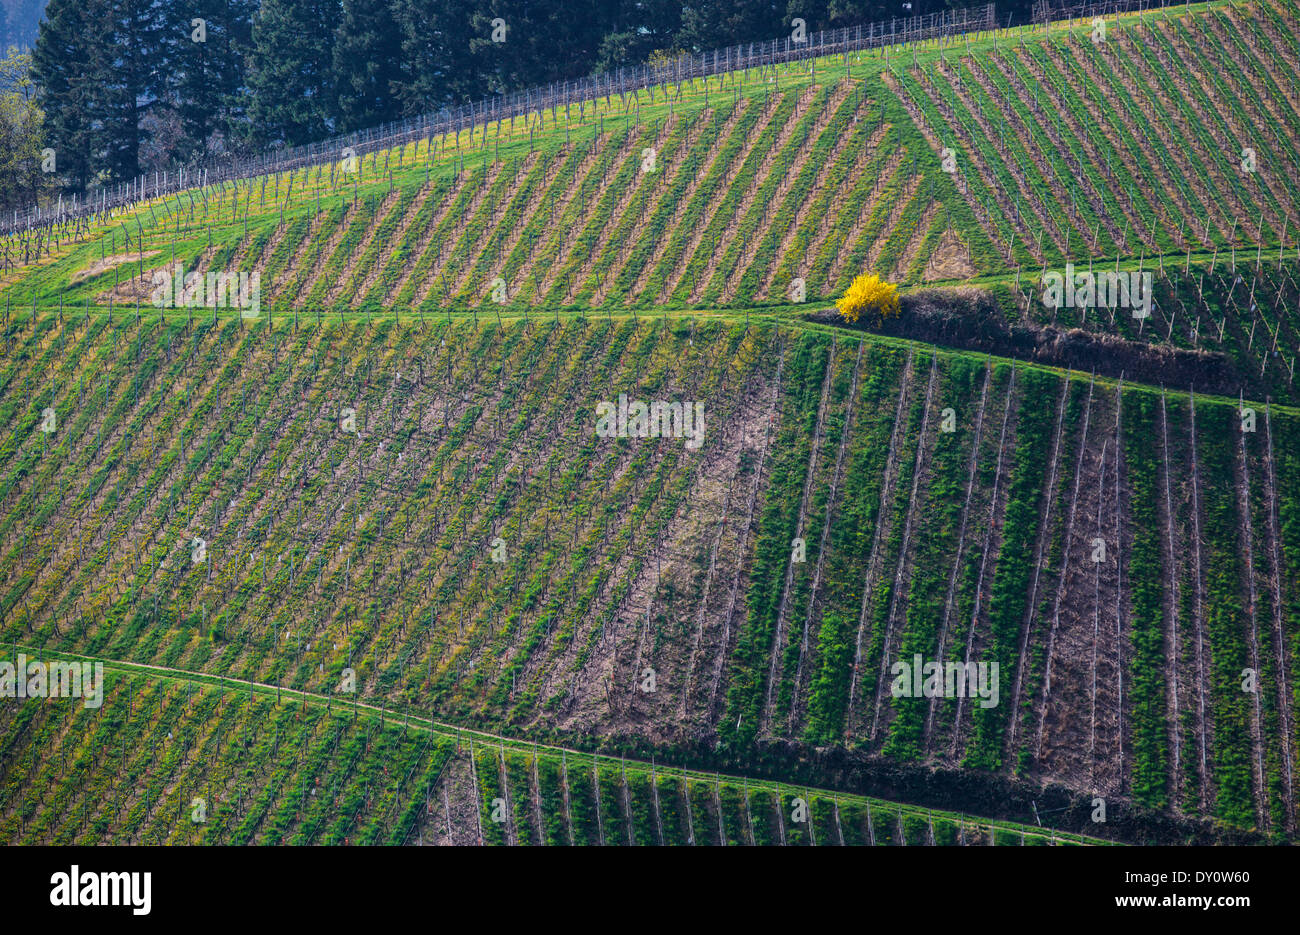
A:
120, 87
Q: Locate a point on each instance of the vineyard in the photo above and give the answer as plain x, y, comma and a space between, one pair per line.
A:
261, 767
361, 572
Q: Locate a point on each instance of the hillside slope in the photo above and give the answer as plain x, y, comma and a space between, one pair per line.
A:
724, 192
390, 483
473, 548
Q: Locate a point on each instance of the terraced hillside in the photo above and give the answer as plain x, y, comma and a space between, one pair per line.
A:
172, 761
378, 514
470, 548
751, 186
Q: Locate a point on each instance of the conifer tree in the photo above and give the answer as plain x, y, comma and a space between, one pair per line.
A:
438, 68
64, 80
367, 64
127, 70
22, 180
208, 42
291, 71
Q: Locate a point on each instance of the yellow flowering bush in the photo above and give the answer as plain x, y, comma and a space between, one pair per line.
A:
869, 294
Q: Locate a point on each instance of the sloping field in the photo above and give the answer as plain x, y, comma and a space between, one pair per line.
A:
428, 507
168, 760
364, 528
1177, 134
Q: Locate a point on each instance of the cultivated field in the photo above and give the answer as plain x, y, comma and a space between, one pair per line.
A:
382, 571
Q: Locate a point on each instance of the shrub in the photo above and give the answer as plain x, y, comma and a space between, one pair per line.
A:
869, 294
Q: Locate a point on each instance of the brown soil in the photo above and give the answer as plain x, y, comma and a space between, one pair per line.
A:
778, 197
397, 236
875, 561
107, 263
889, 171
344, 277
895, 622
813, 616
1177, 149
1248, 104
1079, 707
426, 237
910, 191
693, 245
970, 642
913, 247
801, 530
1027, 193
1077, 175
309, 276
1228, 132
1188, 141
950, 260
1117, 146
548, 180
619, 209
590, 204
984, 453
